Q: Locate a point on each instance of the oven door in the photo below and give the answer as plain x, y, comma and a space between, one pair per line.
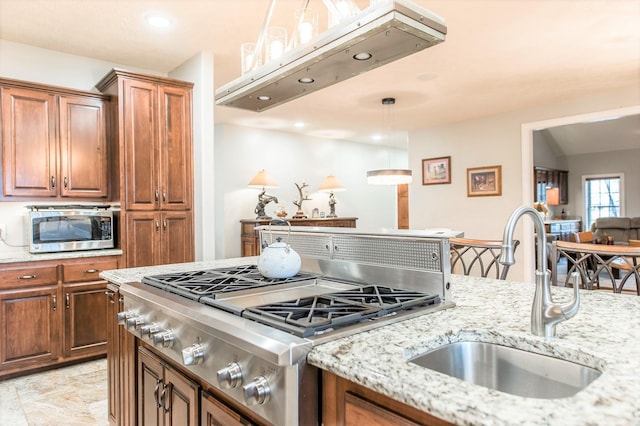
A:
56, 231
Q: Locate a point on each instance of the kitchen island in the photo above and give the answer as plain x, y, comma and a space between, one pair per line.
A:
604, 334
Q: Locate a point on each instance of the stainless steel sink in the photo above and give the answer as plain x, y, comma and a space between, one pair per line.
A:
509, 370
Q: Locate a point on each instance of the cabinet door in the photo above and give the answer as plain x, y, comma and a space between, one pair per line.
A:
28, 142
143, 239
140, 127
181, 400
29, 327
85, 319
215, 413
175, 148
150, 384
177, 237
83, 147
113, 347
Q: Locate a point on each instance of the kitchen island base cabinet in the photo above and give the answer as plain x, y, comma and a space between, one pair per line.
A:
165, 396
215, 413
347, 403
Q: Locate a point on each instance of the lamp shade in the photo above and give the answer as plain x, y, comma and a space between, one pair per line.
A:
331, 184
553, 196
389, 177
263, 180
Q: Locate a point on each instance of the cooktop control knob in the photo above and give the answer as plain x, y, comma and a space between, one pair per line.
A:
134, 322
230, 376
193, 354
257, 392
124, 316
164, 339
147, 331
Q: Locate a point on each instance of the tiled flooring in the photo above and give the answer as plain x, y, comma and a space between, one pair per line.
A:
69, 396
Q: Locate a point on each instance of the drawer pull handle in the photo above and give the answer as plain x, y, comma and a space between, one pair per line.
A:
28, 277
91, 271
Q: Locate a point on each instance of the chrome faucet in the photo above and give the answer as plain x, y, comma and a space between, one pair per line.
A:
545, 314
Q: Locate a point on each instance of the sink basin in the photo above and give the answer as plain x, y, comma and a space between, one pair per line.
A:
509, 370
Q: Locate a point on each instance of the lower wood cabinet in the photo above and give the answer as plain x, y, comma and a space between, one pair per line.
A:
158, 238
348, 403
52, 312
165, 396
214, 413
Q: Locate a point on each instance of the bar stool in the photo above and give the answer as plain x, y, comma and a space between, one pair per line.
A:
478, 257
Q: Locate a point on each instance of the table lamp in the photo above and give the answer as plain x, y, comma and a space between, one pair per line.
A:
263, 180
331, 185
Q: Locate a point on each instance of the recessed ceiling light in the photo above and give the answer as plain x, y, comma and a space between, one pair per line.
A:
305, 80
376, 137
264, 98
298, 124
363, 56
158, 21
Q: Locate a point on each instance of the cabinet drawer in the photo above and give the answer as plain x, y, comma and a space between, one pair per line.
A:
87, 271
28, 276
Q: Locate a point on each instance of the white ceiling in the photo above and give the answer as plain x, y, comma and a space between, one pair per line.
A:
500, 55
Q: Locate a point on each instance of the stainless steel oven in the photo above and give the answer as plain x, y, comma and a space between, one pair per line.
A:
69, 228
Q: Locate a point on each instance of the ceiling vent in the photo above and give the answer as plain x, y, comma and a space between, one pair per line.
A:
374, 37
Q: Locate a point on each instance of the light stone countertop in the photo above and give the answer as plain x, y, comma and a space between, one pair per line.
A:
25, 256
605, 334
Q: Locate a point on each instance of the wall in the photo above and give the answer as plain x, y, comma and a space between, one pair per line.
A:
241, 152
496, 140
600, 163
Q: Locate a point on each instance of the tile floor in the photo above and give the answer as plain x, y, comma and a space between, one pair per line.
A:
69, 396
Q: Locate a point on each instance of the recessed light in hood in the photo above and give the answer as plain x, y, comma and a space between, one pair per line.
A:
375, 37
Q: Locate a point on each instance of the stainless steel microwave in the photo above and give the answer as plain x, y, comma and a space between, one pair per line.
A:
70, 228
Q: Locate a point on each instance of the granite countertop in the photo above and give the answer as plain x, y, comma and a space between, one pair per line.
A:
25, 256
605, 334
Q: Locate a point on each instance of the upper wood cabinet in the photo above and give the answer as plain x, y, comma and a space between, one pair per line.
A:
154, 124
54, 142
550, 178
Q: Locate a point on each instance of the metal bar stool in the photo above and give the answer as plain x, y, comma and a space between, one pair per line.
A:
478, 257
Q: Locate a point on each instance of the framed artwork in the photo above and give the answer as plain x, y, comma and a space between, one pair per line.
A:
484, 181
436, 170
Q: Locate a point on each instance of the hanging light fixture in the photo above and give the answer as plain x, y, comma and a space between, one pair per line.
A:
389, 176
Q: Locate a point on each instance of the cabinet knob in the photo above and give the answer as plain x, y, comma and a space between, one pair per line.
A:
230, 376
257, 392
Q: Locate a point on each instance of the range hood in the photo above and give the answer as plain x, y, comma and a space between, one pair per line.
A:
387, 33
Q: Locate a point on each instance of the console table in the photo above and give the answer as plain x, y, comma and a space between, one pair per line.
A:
250, 238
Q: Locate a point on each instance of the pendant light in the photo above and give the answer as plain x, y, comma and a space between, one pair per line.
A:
389, 176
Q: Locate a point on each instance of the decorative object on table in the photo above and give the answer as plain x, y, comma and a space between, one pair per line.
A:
281, 212
302, 197
390, 176
263, 180
278, 260
436, 171
315, 213
484, 181
331, 185
542, 209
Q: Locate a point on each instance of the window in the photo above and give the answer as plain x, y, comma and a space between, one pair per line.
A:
603, 195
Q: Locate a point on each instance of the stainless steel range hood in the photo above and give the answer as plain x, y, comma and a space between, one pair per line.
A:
387, 33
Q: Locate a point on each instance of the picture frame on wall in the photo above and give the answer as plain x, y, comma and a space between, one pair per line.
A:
436, 170
484, 181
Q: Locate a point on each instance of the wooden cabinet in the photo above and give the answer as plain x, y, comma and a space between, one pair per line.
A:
152, 117
250, 237
550, 178
52, 313
348, 403
156, 238
165, 396
54, 142
563, 229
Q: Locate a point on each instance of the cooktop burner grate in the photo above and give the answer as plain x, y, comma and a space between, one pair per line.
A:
312, 315
196, 284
